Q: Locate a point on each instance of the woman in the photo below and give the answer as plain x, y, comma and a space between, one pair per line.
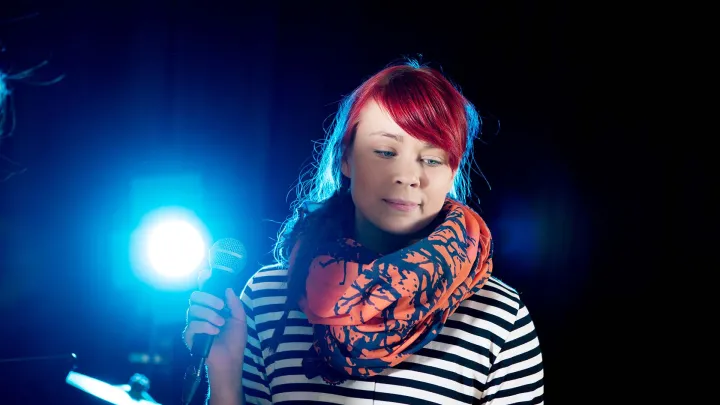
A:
383, 290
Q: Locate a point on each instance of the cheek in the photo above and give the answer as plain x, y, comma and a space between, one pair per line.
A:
367, 175
434, 203
440, 184
438, 191
367, 186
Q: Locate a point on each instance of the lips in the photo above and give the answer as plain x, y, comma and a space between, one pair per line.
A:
401, 205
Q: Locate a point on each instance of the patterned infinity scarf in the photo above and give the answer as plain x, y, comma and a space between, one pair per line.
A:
371, 312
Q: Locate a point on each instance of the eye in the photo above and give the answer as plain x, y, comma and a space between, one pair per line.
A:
385, 153
432, 162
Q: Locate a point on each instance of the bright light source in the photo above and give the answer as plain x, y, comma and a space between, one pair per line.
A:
175, 248
169, 248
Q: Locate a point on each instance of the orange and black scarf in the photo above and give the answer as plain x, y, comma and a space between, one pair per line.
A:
370, 312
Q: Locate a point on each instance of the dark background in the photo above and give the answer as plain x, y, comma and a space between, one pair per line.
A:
236, 92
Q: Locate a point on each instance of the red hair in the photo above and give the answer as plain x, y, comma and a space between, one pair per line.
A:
422, 102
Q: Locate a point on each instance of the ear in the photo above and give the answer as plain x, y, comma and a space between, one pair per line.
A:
345, 167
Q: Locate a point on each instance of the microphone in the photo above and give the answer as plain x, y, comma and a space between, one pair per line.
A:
227, 258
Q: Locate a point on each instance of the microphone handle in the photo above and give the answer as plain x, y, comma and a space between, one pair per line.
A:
219, 281
216, 285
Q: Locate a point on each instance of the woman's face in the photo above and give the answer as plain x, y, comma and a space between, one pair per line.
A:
398, 183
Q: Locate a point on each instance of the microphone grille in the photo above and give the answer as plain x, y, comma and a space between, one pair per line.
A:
228, 254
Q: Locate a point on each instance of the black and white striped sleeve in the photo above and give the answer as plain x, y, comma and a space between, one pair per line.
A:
516, 376
254, 378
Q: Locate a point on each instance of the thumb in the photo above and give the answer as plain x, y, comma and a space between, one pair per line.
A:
234, 304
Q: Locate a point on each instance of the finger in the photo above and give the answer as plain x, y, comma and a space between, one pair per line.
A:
233, 303
198, 312
203, 276
205, 299
195, 327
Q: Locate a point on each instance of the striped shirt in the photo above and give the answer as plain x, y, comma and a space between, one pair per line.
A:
487, 353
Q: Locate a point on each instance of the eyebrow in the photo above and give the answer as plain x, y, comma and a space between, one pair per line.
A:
400, 138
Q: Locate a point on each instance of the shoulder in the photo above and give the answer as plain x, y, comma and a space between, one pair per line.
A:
516, 360
501, 294
499, 306
267, 281
271, 274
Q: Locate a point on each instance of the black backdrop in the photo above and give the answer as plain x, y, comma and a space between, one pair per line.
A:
237, 93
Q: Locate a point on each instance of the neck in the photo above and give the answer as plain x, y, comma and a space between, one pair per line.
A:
382, 242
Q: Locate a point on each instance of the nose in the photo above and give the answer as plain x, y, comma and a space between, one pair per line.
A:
408, 178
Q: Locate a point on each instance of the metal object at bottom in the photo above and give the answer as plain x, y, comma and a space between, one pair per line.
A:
133, 393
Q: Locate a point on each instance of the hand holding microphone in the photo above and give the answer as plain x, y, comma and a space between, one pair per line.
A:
222, 318
216, 329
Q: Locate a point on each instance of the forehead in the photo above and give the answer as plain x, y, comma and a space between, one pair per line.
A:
373, 118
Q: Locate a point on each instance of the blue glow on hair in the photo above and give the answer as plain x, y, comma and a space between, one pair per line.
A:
4, 94
4, 91
7, 112
322, 179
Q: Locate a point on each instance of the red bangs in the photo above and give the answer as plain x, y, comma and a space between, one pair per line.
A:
422, 102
